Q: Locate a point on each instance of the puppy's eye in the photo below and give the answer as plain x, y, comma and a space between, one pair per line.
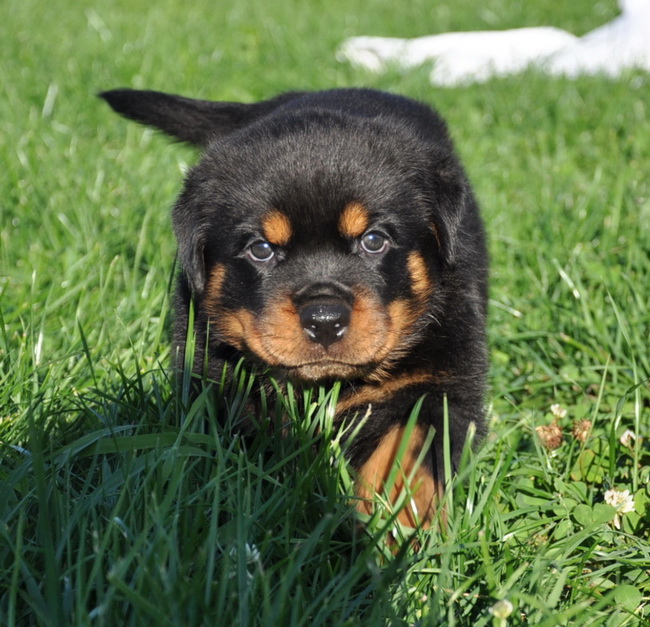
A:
374, 242
260, 251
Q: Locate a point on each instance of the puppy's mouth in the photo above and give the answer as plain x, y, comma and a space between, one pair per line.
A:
325, 370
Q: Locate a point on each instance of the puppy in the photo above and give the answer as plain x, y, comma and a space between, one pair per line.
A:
333, 236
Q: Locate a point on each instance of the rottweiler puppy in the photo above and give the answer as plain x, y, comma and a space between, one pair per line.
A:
334, 236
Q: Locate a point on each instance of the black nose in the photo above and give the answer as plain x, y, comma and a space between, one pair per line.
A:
325, 323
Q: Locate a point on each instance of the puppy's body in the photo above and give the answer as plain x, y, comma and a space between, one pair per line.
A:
334, 236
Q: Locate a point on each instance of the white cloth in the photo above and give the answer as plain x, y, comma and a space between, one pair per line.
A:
461, 58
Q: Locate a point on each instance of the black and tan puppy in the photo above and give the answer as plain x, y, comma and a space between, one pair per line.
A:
333, 236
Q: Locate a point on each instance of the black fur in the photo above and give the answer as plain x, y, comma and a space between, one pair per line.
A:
393, 323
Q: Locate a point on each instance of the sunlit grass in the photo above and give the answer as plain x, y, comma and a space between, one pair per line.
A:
121, 502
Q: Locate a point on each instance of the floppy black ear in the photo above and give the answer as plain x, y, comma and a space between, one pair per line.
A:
191, 235
451, 203
452, 199
187, 119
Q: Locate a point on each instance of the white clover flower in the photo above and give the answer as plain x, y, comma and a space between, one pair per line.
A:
252, 555
628, 438
502, 609
622, 501
558, 411
250, 551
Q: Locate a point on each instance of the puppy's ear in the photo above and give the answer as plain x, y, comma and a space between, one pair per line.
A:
452, 199
191, 234
193, 121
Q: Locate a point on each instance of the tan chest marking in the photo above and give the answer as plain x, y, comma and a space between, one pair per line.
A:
375, 473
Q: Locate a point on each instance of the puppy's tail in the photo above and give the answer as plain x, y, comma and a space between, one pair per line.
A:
196, 122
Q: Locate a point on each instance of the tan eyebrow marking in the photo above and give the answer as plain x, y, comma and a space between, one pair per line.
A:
354, 220
277, 228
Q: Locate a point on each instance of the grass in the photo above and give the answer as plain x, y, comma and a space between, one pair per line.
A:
118, 507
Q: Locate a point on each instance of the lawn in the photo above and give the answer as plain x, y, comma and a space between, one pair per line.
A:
119, 507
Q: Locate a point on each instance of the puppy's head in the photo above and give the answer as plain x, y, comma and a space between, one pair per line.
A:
314, 234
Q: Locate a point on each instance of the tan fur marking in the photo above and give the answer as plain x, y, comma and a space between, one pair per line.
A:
420, 280
400, 337
377, 393
376, 337
277, 337
354, 220
374, 474
215, 283
277, 228
232, 328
